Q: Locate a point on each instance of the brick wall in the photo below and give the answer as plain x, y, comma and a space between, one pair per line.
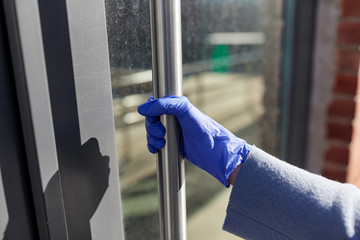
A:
342, 156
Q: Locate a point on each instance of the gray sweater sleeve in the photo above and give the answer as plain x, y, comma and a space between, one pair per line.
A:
274, 200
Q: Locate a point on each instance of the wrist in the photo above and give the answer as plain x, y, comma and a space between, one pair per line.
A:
244, 152
233, 175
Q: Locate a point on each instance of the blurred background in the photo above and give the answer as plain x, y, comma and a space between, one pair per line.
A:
279, 73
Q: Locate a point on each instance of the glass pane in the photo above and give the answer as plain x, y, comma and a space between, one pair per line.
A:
231, 52
128, 29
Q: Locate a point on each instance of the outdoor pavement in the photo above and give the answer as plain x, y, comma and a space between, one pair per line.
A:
207, 222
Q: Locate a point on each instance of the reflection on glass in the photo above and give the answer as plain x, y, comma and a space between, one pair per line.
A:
231, 52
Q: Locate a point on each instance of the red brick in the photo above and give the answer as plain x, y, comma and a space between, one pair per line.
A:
345, 84
348, 60
349, 33
334, 174
339, 131
336, 154
350, 8
342, 108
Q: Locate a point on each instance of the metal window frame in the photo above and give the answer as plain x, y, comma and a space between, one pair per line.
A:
24, 31
29, 52
18, 206
298, 44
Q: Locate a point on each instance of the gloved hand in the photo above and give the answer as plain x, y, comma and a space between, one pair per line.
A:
205, 142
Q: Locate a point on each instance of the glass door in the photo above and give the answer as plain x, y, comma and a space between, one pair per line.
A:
231, 71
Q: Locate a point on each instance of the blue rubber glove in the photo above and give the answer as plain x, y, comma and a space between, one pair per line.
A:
205, 142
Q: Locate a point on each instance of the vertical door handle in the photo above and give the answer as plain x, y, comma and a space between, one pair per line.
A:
167, 80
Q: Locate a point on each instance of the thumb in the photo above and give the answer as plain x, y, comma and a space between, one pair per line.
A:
172, 105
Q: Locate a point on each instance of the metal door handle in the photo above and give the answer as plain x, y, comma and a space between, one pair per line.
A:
167, 80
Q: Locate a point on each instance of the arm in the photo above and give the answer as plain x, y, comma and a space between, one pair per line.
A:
270, 198
274, 200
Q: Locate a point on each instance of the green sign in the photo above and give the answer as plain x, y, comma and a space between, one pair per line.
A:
220, 59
